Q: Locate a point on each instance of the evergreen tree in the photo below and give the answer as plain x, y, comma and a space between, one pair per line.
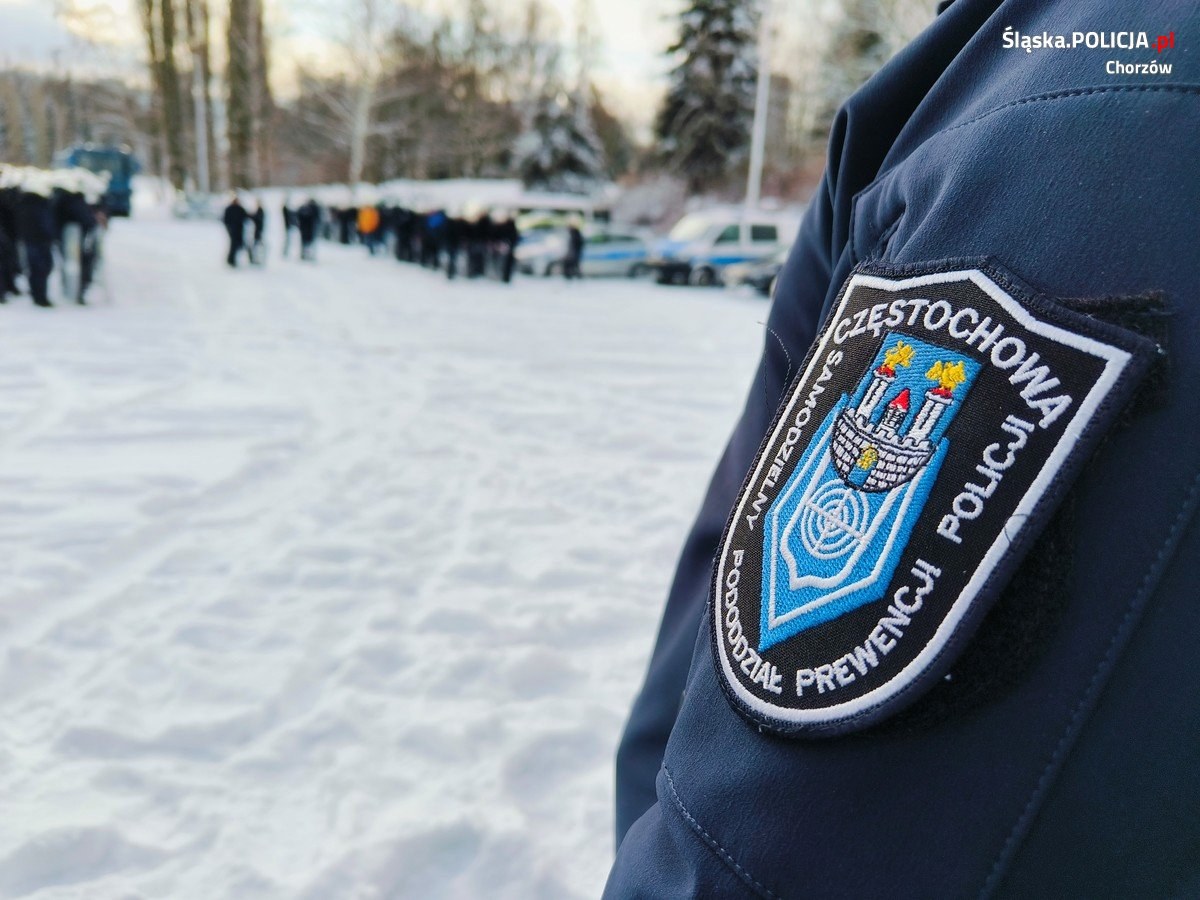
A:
560, 151
704, 123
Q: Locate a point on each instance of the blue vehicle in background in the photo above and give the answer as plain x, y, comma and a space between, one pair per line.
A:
118, 163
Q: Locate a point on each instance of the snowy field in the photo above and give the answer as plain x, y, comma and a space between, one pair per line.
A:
337, 581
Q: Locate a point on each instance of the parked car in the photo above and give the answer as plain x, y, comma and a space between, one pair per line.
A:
194, 205
537, 226
606, 251
759, 275
702, 245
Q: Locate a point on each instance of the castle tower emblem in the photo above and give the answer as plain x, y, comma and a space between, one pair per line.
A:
897, 453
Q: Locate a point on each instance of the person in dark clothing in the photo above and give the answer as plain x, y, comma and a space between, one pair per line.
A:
259, 219
36, 233
455, 232
347, 221
289, 225
10, 263
235, 217
433, 229
404, 234
480, 237
507, 238
73, 213
420, 232
308, 217
90, 257
574, 252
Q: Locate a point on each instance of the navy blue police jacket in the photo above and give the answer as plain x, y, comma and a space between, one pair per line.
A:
1056, 752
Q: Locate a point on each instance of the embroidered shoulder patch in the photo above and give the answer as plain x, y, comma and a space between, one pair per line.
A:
937, 420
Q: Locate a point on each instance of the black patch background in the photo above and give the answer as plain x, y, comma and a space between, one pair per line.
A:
991, 397
1019, 627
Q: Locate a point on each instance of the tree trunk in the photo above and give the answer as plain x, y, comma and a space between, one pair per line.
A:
197, 33
172, 105
210, 127
359, 127
28, 125
364, 51
264, 104
150, 29
249, 107
240, 85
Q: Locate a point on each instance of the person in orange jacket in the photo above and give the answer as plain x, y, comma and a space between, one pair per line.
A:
368, 227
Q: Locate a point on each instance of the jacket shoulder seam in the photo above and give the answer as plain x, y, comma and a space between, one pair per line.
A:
1053, 96
856, 252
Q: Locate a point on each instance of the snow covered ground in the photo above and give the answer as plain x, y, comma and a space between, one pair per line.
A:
336, 581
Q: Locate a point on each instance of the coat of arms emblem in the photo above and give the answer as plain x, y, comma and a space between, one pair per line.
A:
836, 528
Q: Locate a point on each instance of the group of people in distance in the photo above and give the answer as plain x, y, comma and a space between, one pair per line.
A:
47, 216
485, 242
476, 244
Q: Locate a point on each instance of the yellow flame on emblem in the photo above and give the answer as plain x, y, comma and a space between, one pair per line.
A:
868, 457
900, 355
947, 375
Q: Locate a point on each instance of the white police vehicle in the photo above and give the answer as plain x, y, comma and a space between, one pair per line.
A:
701, 245
606, 251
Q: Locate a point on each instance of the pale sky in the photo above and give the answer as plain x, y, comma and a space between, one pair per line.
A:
629, 70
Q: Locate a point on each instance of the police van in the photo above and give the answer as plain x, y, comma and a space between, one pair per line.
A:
118, 163
701, 245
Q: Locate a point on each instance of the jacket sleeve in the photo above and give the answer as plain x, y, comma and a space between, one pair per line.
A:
819, 261
800, 295
1070, 779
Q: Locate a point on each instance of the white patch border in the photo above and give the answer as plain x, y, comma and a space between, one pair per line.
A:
1116, 361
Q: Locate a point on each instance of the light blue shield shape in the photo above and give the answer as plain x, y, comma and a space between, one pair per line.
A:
834, 534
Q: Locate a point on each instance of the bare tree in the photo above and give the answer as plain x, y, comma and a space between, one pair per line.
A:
248, 96
365, 50
536, 57
264, 102
829, 53
362, 29
196, 20
158, 26
6, 102
426, 96
172, 101
29, 125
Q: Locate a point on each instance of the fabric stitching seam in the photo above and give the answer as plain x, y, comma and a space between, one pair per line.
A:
724, 855
1076, 92
1091, 693
1050, 97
